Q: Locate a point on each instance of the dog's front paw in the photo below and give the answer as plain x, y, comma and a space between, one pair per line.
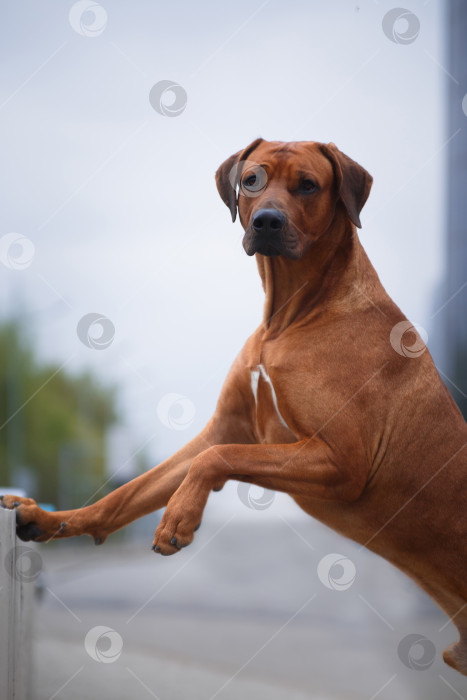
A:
32, 523
176, 530
184, 511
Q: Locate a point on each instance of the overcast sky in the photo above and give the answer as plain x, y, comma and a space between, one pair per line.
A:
120, 200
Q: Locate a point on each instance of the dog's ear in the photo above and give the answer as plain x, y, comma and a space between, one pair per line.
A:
228, 176
353, 182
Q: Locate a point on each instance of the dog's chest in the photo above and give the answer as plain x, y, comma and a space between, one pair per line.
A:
271, 425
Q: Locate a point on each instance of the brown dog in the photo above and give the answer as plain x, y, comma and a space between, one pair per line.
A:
332, 400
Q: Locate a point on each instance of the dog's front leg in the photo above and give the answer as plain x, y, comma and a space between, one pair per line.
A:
307, 468
138, 497
230, 424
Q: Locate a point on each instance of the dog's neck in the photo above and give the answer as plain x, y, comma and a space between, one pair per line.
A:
330, 273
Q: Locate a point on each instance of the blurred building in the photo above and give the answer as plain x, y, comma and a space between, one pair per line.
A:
455, 289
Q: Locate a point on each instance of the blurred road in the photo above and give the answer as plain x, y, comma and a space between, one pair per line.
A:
241, 613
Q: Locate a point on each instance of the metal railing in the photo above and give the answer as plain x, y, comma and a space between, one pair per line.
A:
18, 571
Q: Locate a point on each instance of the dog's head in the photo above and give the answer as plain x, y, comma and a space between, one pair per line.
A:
287, 194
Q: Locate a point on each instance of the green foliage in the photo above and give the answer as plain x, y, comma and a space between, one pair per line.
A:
52, 424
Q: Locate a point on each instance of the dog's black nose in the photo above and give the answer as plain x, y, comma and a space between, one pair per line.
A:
268, 221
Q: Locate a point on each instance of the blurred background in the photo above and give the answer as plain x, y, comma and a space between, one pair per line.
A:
126, 295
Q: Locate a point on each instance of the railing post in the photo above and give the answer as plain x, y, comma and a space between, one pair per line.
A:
18, 570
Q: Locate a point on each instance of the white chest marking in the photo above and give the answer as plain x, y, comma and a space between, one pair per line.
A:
255, 374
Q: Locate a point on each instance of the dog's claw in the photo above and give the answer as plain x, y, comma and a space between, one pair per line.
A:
197, 527
173, 542
156, 548
98, 540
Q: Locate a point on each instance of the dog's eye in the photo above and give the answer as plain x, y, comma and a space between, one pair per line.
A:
254, 182
308, 186
249, 181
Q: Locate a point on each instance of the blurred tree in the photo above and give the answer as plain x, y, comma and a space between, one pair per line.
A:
52, 424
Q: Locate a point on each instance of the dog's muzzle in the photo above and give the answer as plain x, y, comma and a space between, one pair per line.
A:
265, 234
